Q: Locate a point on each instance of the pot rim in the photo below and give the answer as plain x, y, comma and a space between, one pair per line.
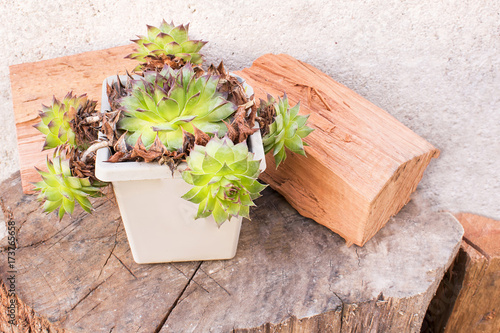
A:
125, 171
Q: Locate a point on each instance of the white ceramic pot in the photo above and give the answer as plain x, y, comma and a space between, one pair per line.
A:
160, 225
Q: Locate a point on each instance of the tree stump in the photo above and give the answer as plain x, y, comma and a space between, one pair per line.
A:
290, 274
468, 298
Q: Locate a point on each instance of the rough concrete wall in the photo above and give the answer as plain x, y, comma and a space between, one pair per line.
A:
433, 65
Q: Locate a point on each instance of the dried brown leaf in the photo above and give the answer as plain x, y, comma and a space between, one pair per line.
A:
267, 112
252, 115
157, 62
200, 137
245, 132
116, 91
116, 157
154, 153
188, 140
240, 128
232, 132
108, 131
121, 145
77, 167
222, 70
85, 131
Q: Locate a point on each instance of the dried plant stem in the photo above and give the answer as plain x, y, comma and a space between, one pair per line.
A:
93, 148
91, 120
248, 104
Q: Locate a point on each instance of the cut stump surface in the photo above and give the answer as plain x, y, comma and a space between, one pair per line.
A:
289, 275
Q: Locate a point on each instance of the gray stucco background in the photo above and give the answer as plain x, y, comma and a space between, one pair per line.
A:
434, 65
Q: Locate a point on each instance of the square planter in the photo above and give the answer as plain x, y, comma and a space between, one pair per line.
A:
160, 225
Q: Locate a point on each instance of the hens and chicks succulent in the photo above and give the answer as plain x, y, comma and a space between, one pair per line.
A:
172, 101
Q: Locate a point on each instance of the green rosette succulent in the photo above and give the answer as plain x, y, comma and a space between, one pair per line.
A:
224, 176
56, 119
287, 130
168, 40
61, 190
171, 101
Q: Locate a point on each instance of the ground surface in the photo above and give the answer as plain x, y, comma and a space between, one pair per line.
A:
434, 66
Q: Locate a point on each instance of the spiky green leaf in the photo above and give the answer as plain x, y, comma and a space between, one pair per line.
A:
231, 184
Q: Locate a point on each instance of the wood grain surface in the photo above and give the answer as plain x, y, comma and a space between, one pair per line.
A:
362, 164
290, 274
477, 307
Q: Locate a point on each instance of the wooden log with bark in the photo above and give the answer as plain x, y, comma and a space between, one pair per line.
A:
290, 274
468, 298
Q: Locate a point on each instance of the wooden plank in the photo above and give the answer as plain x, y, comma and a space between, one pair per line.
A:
34, 84
477, 307
290, 274
362, 163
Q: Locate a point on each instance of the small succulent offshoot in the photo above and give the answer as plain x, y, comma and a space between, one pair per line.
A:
166, 44
172, 111
287, 130
61, 190
56, 120
171, 101
224, 176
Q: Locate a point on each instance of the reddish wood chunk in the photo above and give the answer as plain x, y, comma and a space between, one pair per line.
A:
34, 84
362, 163
477, 306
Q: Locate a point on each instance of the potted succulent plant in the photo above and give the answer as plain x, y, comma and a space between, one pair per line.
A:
182, 147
